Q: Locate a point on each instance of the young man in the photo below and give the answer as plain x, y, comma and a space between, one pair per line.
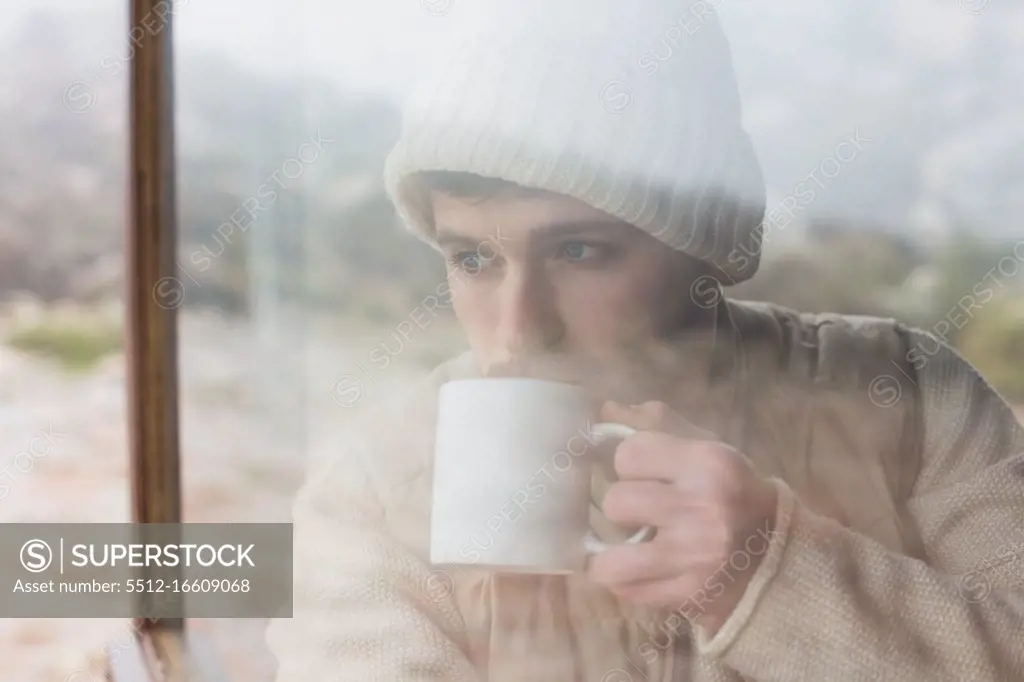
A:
834, 497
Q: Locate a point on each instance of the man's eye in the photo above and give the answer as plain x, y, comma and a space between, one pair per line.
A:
467, 260
578, 251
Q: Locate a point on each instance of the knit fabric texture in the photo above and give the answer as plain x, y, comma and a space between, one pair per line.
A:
632, 109
896, 553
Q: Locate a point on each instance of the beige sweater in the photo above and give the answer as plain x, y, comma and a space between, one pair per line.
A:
899, 551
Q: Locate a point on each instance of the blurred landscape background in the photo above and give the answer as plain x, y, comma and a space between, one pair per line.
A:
923, 224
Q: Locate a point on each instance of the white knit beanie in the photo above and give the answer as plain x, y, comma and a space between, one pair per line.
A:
630, 107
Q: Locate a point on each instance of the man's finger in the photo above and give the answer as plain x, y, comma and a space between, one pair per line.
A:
653, 416
626, 565
643, 503
663, 457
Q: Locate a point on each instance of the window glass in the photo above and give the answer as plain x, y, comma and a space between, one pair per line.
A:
63, 433
887, 146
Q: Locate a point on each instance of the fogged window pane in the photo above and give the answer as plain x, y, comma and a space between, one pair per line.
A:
63, 433
252, 161
882, 150
887, 140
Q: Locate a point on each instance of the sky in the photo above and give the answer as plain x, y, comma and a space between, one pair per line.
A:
370, 45
376, 44
808, 71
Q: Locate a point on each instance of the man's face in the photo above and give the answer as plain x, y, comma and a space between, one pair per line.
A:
547, 274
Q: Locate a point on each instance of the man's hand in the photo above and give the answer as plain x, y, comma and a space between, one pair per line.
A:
714, 516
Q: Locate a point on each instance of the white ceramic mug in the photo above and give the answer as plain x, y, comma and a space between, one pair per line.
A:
514, 469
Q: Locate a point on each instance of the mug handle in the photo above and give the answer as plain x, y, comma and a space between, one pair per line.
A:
591, 543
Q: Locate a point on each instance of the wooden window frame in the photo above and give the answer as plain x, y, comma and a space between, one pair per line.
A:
160, 650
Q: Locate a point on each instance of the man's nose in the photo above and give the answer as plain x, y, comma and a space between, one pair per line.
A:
529, 318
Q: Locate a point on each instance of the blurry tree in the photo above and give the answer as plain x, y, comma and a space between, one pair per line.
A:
847, 268
337, 242
993, 341
803, 282
963, 265
879, 252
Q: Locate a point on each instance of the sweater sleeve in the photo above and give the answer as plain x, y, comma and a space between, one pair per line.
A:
828, 601
365, 607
